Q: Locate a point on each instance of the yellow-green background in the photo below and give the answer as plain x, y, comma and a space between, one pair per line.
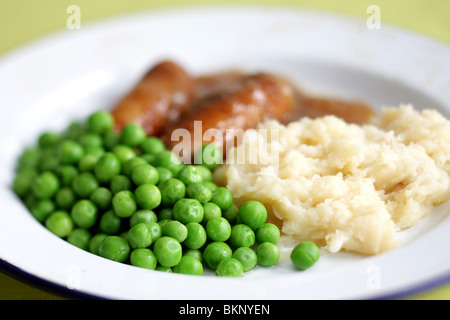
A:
22, 21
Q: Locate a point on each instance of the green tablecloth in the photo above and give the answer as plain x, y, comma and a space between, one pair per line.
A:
25, 20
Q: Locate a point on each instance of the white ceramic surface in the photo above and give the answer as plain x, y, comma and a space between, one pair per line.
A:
50, 82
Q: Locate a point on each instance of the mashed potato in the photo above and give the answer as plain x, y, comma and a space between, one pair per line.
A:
344, 186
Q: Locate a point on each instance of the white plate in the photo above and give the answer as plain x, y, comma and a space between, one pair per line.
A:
65, 76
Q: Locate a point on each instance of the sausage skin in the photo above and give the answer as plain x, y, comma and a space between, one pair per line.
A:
249, 100
160, 98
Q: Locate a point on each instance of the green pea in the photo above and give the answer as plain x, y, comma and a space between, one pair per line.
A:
268, 254
90, 139
48, 152
199, 192
84, 184
210, 210
305, 255
229, 267
253, 214
218, 229
49, 139
132, 163
222, 197
75, 130
215, 252
205, 173
148, 196
247, 257
30, 200
133, 135
120, 182
163, 269
70, 152
139, 236
65, 198
49, 161
95, 241
165, 213
268, 232
209, 156
124, 153
80, 238
45, 185
23, 181
189, 174
100, 122
42, 209
143, 258
87, 163
152, 145
149, 158
211, 185
102, 198
231, 213
60, 223
143, 215
144, 174
84, 213
164, 174
124, 235
189, 265
167, 159
188, 210
242, 236
171, 190
107, 167
124, 204
114, 248
175, 229
96, 151
164, 221
27, 170
196, 253
67, 174
196, 236
155, 230
29, 158
109, 223
111, 139
168, 251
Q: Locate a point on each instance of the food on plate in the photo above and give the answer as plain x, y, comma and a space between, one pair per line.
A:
124, 196
219, 107
313, 172
344, 186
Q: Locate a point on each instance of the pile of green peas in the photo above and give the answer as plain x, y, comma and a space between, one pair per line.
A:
125, 197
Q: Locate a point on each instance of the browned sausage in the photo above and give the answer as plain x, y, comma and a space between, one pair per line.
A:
211, 84
160, 98
246, 102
